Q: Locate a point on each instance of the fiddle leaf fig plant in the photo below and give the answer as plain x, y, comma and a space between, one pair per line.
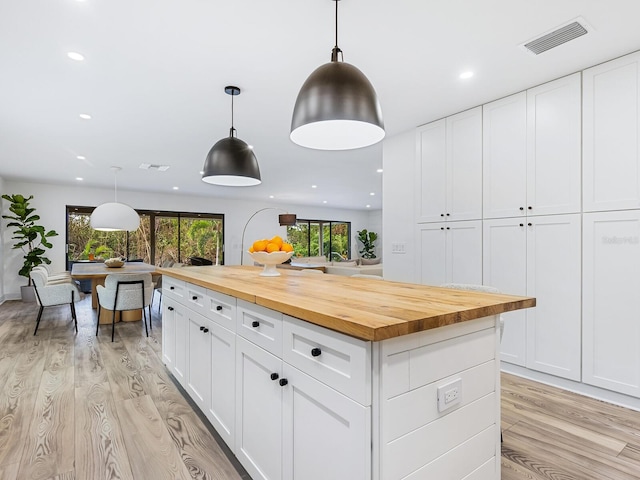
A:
29, 236
368, 243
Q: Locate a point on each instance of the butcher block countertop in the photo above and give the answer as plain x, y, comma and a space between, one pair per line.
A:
363, 308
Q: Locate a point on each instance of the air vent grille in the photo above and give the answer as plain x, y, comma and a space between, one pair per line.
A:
557, 37
151, 166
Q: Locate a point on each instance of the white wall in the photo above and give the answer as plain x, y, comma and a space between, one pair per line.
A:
51, 201
398, 185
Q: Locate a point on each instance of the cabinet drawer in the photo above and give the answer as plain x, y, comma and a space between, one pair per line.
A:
195, 298
339, 361
174, 288
221, 309
260, 325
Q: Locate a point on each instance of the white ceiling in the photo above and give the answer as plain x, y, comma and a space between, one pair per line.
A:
154, 76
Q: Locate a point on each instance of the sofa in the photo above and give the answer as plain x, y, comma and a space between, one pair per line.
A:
346, 268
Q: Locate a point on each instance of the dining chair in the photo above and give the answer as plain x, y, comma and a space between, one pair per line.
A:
51, 294
125, 291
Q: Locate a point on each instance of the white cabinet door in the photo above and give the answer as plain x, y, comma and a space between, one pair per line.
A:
554, 277
505, 268
168, 332
430, 172
554, 147
258, 411
505, 156
464, 252
326, 434
611, 279
611, 135
431, 241
199, 358
181, 364
222, 408
464, 166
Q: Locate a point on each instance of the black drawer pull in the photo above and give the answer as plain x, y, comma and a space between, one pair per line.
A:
530, 224
521, 208
172, 288
206, 330
315, 352
530, 208
219, 307
447, 214
201, 328
522, 224
441, 228
195, 297
283, 382
255, 324
275, 376
442, 214
170, 309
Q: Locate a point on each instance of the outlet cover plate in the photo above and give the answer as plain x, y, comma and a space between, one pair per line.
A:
449, 394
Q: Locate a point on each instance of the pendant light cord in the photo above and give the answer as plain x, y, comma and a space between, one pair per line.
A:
232, 131
336, 50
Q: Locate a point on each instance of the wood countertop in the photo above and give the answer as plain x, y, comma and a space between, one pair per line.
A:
367, 309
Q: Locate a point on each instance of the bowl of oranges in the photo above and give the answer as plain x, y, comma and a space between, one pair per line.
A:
271, 252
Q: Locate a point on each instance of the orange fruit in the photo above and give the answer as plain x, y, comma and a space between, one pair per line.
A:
260, 245
277, 240
251, 250
286, 247
273, 247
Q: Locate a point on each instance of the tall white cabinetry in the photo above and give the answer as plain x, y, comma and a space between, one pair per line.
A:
611, 282
611, 151
449, 168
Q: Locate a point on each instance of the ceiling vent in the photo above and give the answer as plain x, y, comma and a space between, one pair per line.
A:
151, 166
566, 33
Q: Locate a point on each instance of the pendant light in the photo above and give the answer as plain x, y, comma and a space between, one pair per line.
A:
114, 216
337, 107
231, 162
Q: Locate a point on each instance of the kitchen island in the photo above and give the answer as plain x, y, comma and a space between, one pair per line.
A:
332, 377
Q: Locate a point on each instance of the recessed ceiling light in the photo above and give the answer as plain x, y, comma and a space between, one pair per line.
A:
176, 188
81, 157
368, 206
79, 179
78, 57
85, 116
324, 201
314, 186
271, 196
465, 75
379, 170
372, 193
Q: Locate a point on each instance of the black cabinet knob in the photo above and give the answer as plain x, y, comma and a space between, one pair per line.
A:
441, 228
275, 376
447, 214
448, 228
255, 324
219, 307
195, 297
315, 352
521, 208
283, 382
442, 214
172, 288
530, 208
170, 309
201, 328
206, 330
522, 224
530, 224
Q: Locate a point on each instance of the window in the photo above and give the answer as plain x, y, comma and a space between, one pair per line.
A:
327, 238
162, 236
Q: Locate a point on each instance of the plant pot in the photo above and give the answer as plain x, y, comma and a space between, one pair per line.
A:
28, 293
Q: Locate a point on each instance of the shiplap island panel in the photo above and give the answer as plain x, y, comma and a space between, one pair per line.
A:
374, 379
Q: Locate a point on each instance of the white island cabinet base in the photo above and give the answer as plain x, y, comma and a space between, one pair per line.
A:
351, 409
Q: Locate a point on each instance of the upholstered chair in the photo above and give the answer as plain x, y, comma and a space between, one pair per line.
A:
51, 294
125, 291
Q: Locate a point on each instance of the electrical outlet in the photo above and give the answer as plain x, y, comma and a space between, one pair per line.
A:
449, 394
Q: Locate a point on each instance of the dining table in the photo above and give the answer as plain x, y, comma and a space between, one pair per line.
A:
97, 272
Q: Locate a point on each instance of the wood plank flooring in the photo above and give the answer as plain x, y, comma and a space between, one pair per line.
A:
79, 407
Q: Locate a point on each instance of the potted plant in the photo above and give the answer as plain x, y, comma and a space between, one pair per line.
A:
30, 237
368, 246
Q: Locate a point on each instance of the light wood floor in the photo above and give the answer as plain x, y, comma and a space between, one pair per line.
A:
81, 407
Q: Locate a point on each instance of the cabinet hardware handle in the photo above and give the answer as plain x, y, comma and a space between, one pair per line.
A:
170, 309
441, 228
448, 228
530, 224
522, 224
521, 208
171, 288
201, 328
219, 307
206, 330
255, 324
530, 208
447, 214
275, 376
442, 214
195, 297
315, 352
283, 382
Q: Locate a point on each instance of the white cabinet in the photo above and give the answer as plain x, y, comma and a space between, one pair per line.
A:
449, 168
611, 136
450, 252
199, 358
168, 332
540, 257
180, 365
531, 161
611, 279
222, 407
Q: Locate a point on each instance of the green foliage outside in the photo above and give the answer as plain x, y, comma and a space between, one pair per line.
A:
29, 236
312, 239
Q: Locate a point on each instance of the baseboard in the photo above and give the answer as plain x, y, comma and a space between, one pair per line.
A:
598, 393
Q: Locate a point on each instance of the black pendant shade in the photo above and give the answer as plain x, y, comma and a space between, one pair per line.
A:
337, 107
231, 162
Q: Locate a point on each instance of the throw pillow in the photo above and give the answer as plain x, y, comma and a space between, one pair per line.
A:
369, 261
